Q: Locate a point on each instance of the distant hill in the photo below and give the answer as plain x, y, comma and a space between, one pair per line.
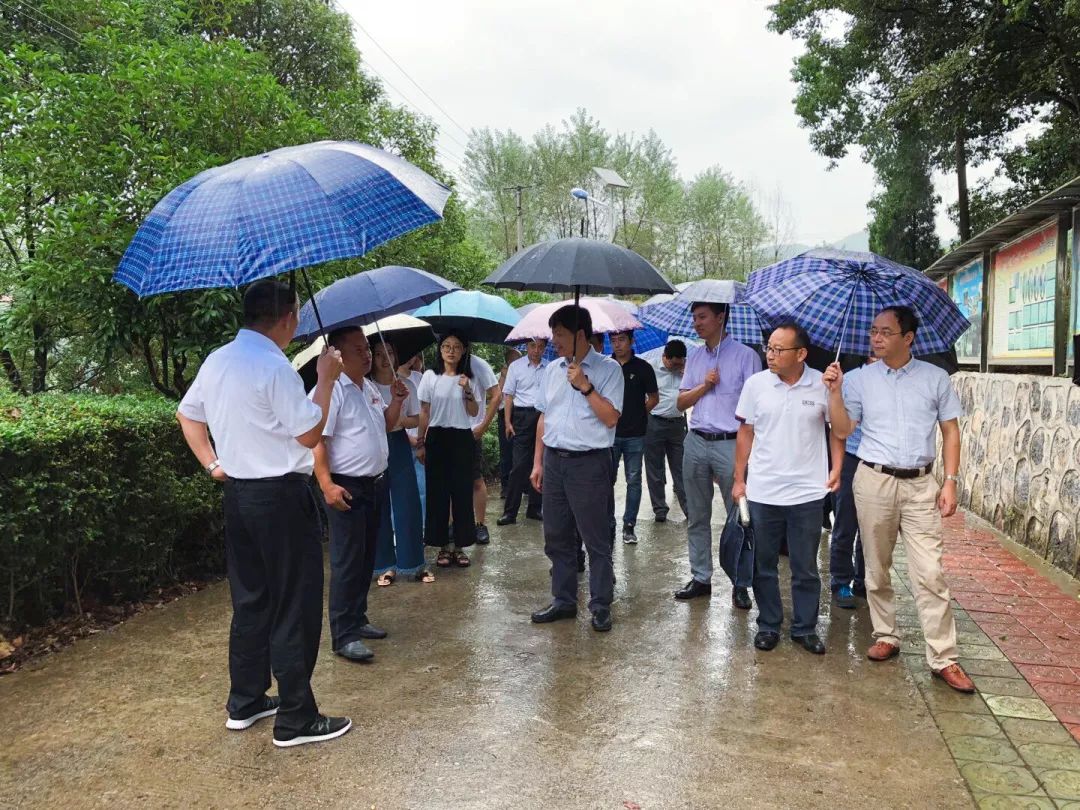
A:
859, 241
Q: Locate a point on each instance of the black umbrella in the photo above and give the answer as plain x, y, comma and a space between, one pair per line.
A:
579, 266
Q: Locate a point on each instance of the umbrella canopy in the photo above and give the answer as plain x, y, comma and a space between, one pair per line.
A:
408, 336
366, 297
673, 315
279, 211
480, 317
659, 298
580, 266
607, 317
835, 295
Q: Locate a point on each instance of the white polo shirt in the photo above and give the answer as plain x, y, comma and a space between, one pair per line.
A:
411, 405
355, 431
523, 381
789, 462
486, 378
253, 401
447, 402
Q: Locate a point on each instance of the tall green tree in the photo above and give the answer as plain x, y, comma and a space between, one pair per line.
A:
902, 226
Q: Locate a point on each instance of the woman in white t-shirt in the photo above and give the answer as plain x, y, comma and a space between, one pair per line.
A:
449, 400
400, 546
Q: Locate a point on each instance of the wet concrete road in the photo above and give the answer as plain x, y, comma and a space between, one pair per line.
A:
468, 705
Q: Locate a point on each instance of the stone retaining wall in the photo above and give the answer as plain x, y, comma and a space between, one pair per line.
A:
1020, 463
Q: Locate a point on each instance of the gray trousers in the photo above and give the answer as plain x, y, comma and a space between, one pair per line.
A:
578, 494
664, 440
703, 463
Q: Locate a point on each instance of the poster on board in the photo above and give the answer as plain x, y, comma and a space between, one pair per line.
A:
1022, 319
967, 294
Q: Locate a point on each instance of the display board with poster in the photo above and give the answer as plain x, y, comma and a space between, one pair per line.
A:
1022, 319
967, 295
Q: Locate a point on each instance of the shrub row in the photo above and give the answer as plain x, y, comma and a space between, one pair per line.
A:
99, 499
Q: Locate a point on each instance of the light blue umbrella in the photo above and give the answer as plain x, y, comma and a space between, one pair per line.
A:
836, 294
480, 317
674, 316
277, 212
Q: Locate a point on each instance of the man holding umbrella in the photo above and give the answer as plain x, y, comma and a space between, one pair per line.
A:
579, 401
264, 429
901, 403
711, 385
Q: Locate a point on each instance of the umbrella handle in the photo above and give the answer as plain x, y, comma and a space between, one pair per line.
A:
386, 351
577, 312
314, 306
843, 326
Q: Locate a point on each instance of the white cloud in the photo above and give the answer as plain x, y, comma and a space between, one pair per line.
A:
709, 77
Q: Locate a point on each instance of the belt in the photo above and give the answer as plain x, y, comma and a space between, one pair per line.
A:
714, 437
276, 479
524, 408
578, 453
901, 472
668, 418
359, 480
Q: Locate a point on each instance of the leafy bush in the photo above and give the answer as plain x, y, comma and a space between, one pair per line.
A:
99, 498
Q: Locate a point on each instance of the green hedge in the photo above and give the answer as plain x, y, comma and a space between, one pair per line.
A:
99, 499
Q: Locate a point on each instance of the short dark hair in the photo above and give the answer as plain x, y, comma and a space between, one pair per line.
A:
675, 349
905, 316
464, 365
628, 332
572, 317
338, 334
267, 301
718, 309
802, 339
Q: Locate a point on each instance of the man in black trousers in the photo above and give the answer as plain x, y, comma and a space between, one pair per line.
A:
581, 396
350, 466
252, 401
520, 391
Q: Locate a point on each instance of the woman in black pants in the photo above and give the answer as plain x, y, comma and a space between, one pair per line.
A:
448, 400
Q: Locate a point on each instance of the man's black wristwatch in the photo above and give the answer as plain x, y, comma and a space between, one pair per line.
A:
585, 393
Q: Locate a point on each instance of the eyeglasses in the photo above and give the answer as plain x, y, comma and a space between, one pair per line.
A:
885, 333
778, 350
450, 347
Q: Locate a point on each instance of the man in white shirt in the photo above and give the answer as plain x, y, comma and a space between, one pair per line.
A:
488, 382
666, 432
252, 401
783, 412
350, 466
581, 396
521, 417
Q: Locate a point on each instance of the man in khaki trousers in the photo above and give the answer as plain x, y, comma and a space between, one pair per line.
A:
900, 403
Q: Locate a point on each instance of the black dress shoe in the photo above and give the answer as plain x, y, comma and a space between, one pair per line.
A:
660, 518
694, 589
506, 520
483, 536
553, 612
740, 598
371, 631
355, 651
766, 640
534, 514
810, 643
601, 620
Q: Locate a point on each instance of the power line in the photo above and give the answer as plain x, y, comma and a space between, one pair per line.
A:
24, 10
405, 73
47, 16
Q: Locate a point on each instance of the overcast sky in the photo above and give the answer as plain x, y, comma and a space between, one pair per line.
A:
709, 77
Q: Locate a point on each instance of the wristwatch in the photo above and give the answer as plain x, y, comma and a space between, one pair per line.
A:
585, 393
954, 478
213, 465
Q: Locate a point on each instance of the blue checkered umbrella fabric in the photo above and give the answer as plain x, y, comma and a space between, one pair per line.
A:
836, 294
283, 210
674, 317
646, 338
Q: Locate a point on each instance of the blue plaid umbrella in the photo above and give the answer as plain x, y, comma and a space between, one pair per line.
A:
645, 339
836, 294
673, 315
279, 211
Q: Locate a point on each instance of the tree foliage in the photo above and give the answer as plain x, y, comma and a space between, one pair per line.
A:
708, 226
105, 105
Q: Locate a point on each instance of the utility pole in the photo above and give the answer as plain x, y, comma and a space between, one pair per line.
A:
520, 226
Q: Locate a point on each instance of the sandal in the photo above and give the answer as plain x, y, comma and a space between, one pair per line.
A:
460, 560
444, 559
386, 578
423, 575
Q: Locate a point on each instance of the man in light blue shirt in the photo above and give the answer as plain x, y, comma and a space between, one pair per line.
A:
901, 403
580, 402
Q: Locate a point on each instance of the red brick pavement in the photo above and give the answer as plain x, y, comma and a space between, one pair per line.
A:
1033, 621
